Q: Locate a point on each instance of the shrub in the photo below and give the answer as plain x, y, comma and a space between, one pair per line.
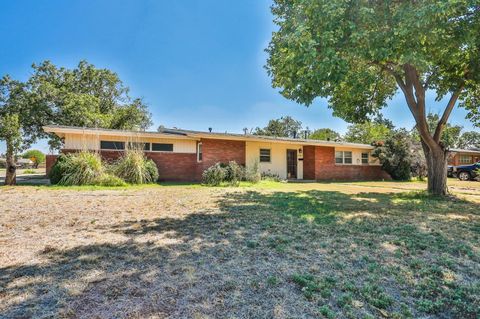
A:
396, 156
234, 173
56, 172
418, 163
268, 176
84, 168
152, 169
252, 173
29, 171
133, 167
110, 180
214, 175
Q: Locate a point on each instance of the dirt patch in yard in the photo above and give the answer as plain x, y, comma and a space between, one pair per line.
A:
289, 251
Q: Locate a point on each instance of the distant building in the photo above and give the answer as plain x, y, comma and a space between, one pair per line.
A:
464, 157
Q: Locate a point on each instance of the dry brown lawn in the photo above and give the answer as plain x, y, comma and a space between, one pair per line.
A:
333, 250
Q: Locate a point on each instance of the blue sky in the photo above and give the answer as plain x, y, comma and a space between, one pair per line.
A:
196, 63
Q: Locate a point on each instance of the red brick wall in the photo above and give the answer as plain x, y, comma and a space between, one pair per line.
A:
309, 162
184, 166
319, 164
222, 151
180, 167
49, 161
455, 160
176, 166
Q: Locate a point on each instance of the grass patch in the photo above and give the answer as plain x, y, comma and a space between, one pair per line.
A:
332, 250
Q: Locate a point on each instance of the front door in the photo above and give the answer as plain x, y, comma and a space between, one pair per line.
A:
291, 163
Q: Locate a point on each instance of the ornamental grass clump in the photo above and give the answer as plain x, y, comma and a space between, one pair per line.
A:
252, 173
134, 168
83, 168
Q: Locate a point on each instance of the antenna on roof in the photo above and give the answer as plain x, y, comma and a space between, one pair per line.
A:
210, 129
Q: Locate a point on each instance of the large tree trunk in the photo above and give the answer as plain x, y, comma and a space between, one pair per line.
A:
437, 169
11, 173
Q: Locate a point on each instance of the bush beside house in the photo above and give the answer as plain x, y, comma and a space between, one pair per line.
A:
401, 156
87, 168
231, 174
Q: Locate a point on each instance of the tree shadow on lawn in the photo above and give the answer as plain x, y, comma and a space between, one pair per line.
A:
400, 252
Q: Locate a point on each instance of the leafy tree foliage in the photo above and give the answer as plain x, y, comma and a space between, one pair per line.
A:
83, 96
359, 54
20, 121
325, 134
468, 140
368, 132
87, 96
282, 127
36, 156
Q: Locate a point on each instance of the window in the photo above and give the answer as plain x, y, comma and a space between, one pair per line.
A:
160, 147
465, 159
338, 157
364, 158
199, 152
110, 145
343, 157
265, 155
138, 146
347, 157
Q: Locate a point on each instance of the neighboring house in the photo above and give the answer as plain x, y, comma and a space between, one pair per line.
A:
21, 163
183, 155
463, 157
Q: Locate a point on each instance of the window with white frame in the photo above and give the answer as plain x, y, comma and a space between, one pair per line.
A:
364, 158
465, 159
265, 155
199, 152
343, 157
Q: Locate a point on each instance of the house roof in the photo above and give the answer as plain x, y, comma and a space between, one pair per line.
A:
197, 135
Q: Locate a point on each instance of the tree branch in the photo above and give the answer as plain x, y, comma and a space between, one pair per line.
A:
446, 114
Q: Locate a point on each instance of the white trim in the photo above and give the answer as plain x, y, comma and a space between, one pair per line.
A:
199, 144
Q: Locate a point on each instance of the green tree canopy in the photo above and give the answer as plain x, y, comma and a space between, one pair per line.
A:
87, 96
36, 156
367, 132
358, 54
83, 96
283, 127
325, 134
468, 140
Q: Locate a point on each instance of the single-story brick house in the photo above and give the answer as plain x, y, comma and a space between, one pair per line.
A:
182, 155
463, 157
